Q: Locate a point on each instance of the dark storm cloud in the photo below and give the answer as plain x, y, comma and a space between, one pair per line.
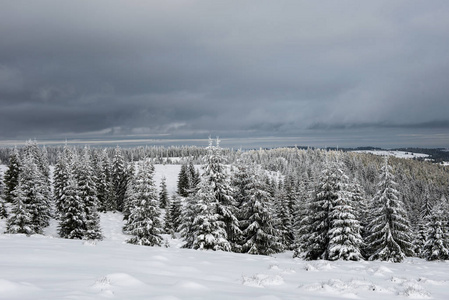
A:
187, 69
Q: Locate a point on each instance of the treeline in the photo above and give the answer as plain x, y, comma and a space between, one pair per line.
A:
320, 204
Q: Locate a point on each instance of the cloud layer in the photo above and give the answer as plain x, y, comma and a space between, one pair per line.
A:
316, 70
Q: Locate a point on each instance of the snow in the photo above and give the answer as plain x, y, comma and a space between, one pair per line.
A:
399, 154
46, 267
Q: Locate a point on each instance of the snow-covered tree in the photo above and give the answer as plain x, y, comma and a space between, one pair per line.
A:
163, 194
73, 220
259, 235
436, 245
216, 176
119, 178
331, 229
389, 230
183, 181
345, 240
208, 232
176, 213
87, 193
20, 219
60, 177
11, 177
143, 222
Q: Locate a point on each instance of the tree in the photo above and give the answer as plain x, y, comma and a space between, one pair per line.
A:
183, 181
119, 178
143, 221
258, 227
72, 224
436, 246
389, 229
11, 178
163, 194
87, 193
176, 213
60, 178
217, 178
20, 220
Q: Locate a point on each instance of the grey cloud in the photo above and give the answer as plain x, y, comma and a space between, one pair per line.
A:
187, 69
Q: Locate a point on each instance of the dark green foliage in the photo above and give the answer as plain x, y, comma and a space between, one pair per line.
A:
11, 178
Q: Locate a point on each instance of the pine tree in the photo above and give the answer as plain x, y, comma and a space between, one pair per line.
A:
207, 230
436, 245
72, 224
60, 178
144, 222
163, 194
183, 181
11, 178
216, 176
36, 192
176, 213
87, 193
258, 227
345, 240
119, 178
168, 219
20, 219
389, 228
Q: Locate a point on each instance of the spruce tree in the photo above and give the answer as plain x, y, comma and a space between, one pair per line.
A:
258, 227
119, 178
163, 194
73, 220
208, 231
11, 177
183, 181
60, 178
168, 219
87, 193
215, 174
143, 222
389, 230
176, 213
436, 246
20, 219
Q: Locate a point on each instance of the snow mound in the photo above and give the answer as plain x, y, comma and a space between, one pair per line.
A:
10, 289
117, 279
262, 280
190, 285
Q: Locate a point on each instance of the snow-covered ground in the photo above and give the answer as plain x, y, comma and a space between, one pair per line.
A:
47, 267
400, 154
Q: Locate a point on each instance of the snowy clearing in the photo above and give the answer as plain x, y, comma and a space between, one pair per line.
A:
399, 154
46, 267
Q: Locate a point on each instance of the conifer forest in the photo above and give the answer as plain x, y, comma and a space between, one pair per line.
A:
321, 205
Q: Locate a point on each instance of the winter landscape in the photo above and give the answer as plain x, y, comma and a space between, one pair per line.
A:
199, 149
306, 225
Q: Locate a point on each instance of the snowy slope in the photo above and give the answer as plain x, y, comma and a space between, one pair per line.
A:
44, 267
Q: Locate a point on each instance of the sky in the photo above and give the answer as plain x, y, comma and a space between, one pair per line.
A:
255, 73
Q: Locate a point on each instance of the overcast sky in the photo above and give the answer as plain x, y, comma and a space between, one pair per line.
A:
261, 73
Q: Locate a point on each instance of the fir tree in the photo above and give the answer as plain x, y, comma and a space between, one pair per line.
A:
60, 178
176, 213
168, 219
87, 193
183, 181
436, 245
3, 211
216, 176
72, 224
119, 178
389, 228
143, 221
344, 236
11, 177
163, 194
258, 227
20, 219
207, 230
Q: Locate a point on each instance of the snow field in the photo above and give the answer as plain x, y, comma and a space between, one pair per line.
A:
399, 154
45, 267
